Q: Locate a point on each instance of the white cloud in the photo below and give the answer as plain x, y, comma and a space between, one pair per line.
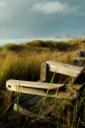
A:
2, 4
49, 7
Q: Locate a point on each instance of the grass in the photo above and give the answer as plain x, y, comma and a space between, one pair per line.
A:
23, 62
26, 65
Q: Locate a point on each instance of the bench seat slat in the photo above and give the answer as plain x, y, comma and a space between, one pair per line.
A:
28, 84
40, 92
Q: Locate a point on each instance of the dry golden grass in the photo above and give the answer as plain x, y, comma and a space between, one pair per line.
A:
23, 61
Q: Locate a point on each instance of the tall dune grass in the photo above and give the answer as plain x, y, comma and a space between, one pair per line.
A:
26, 66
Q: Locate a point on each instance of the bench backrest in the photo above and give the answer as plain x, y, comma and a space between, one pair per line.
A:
62, 69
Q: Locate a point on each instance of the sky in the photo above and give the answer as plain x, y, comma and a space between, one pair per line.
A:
26, 19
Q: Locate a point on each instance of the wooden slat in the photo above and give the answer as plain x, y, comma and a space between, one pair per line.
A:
40, 92
10, 84
65, 69
26, 90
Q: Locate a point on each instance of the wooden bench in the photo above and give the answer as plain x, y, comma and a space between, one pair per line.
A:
66, 89
40, 88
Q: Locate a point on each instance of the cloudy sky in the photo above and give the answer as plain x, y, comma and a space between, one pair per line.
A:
41, 18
